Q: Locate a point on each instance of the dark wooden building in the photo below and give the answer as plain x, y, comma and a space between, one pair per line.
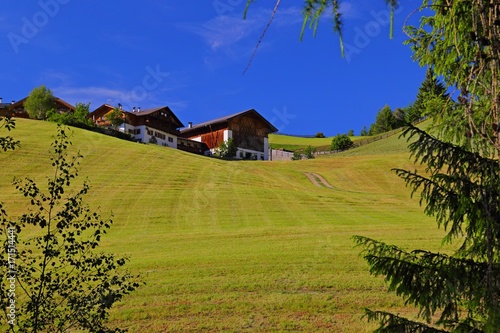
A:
248, 129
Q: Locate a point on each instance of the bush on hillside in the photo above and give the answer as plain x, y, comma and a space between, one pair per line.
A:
227, 149
341, 142
296, 156
77, 118
309, 152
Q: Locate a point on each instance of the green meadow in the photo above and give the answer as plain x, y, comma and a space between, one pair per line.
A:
288, 142
293, 143
238, 246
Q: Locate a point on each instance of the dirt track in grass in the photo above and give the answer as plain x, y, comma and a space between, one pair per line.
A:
317, 180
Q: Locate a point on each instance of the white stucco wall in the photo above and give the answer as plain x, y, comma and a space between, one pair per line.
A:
144, 137
228, 134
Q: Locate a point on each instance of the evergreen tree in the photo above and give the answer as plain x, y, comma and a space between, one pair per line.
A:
431, 98
384, 122
364, 131
461, 189
400, 117
411, 114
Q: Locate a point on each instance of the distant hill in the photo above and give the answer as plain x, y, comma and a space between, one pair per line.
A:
298, 143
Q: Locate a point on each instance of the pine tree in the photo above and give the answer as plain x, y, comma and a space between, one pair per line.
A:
431, 98
461, 189
384, 122
364, 131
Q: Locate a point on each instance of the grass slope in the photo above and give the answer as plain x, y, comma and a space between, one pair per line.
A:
287, 142
238, 246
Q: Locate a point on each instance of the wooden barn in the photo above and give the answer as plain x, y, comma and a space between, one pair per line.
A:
248, 129
158, 125
16, 109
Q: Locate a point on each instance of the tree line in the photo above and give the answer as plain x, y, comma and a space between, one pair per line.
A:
431, 96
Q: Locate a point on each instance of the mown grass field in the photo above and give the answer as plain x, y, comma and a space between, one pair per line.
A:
287, 142
238, 246
295, 143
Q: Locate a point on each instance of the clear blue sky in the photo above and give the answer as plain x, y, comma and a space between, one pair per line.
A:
190, 55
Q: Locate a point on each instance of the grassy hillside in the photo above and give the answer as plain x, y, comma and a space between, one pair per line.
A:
287, 142
238, 246
293, 143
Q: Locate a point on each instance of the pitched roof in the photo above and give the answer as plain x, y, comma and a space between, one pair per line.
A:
141, 113
153, 110
56, 100
228, 118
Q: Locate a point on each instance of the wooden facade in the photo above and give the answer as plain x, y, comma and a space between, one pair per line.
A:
161, 118
248, 129
191, 146
213, 139
98, 116
16, 109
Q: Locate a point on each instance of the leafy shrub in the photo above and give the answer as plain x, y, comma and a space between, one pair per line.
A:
227, 149
296, 156
341, 142
153, 140
309, 152
77, 118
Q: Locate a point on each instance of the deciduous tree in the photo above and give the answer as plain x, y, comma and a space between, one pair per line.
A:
77, 118
58, 282
39, 102
341, 142
227, 149
309, 152
115, 117
8, 142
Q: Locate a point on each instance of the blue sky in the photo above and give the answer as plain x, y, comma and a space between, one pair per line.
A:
190, 55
